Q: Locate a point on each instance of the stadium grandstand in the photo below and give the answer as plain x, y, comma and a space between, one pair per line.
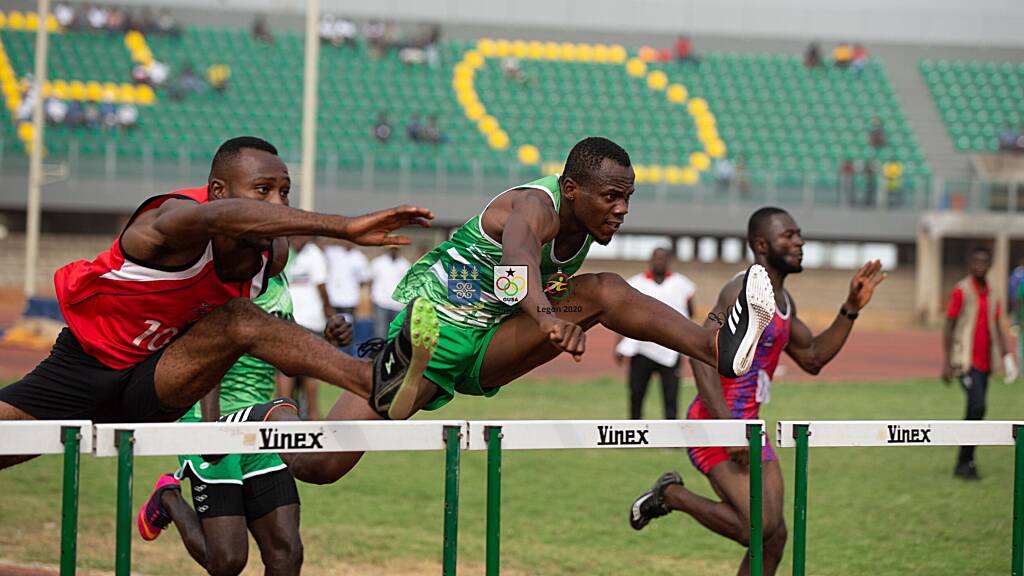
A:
888, 132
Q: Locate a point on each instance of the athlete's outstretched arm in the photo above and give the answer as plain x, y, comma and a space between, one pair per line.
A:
183, 223
812, 353
524, 225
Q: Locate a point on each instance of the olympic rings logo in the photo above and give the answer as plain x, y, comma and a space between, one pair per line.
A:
510, 286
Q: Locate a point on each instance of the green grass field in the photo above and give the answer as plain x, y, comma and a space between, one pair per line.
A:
872, 511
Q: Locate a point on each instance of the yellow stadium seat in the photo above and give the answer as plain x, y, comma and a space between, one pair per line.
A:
636, 67
673, 175
31, 21
15, 20
519, 49
601, 53
617, 54
474, 59
488, 125
502, 48
655, 174
60, 89
25, 131
144, 94
697, 106
700, 161
716, 149
640, 173
552, 51
51, 23
647, 54
584, 52
498, 140
528, 154
93, 91
534, 50
676, 93
657, 80
568, 51
486, 47
689, 176
475, 111
3, 20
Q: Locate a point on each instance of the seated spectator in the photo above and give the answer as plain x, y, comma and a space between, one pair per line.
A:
217, 76
376, 38
344, 32
116, 20
165, 24
187, 83
76, 114
842, 55
56, 110
64, 14
431, 38
92, 116
858, 58
325, 29
742, 177
513, 70
412, 55
97, 17
725, 171
140, 74
414, 129
261, 31
381, 131
432, 132
876, 137
812, 56
684, 50
1007, 138
158, 73
108, 113
127, 116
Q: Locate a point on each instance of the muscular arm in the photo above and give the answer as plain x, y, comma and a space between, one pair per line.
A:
529, 222
709, 386
811, 352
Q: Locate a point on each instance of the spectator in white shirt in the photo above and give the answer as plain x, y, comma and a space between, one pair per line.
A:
646, 358
307, 282
347, 271
386, 271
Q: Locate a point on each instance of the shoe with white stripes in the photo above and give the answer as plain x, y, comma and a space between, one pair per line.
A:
651, 504
254, 413
745, 320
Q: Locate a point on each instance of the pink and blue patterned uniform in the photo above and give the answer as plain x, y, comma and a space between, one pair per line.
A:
741, 394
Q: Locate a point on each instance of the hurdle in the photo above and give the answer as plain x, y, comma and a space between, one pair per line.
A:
496, 436
129, 440
70, 438
814, 434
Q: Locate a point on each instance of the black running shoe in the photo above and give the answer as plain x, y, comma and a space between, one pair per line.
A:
398, 368
651, 504
254, 413
966, 471
744, 322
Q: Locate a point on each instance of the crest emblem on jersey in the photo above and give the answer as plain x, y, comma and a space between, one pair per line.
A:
558, 286
464, 284
510, 284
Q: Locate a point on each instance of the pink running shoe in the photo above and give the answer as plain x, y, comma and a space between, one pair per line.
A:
152, 516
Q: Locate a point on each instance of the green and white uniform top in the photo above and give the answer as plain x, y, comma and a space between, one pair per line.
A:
251, 380
472, 254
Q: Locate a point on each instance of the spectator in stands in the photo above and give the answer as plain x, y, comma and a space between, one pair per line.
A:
858, 58
870, 183
646, 358
414, 129
325, 29
76, 114
166, 24
812, 56
684, 50
140, 75
344, 32
846, 173
218, 76
56, 110
92, 115
725, 171
117, 21
379, 37
347, 271
842, 55
893, 173
64, 14
108, 113
973, 343
261, 31
127, 116
432, 45
412, 55
381, 130
432, 131
386, 271
97, 17
187, 83
512, 69
876, 137
158, 73
742, 177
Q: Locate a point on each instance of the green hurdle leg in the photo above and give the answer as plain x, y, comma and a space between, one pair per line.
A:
493, 434
756, 544
452, 435
125, 444
800, 432
71, 437
1018, 502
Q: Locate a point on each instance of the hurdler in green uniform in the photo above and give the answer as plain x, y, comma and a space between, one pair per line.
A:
249, 381
466, 328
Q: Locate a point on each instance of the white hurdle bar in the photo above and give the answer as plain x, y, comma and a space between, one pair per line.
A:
68, 437
899, 433
129, 440
893, 433
497, 435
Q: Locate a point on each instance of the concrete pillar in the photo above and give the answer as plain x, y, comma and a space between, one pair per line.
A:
928, 299
999, 275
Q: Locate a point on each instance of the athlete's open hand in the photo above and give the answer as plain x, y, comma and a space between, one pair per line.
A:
338, 331
565, 336
375, 229
862, 287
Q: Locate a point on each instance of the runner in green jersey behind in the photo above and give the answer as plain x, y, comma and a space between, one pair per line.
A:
507, 299
240, 491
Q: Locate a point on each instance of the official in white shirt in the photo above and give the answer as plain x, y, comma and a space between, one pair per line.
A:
347, 270
646, 358
307, 277
386, 271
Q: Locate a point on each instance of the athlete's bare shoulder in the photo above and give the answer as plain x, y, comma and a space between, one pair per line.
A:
530, 204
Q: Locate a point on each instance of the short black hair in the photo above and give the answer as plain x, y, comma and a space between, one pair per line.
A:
586, 157
230, 150
981, 249
758, 220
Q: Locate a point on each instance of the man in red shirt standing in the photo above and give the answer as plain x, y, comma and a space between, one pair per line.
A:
973, 340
